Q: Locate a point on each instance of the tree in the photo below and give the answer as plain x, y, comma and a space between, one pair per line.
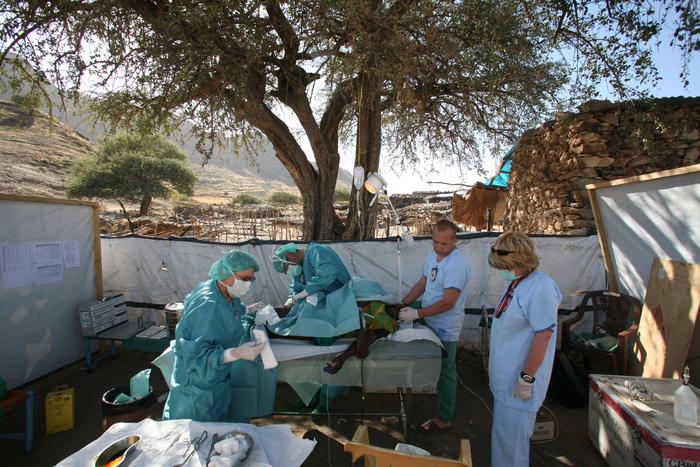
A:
282, 198
132, 168
245, 200
431, 77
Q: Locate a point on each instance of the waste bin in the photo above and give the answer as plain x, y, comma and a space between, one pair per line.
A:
129, 412
172, 316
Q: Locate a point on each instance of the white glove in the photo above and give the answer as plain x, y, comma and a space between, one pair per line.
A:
289, 302
300, 296
247, 351
523, 389
254, 308
408, 314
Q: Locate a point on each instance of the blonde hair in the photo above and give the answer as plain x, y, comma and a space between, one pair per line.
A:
521, 252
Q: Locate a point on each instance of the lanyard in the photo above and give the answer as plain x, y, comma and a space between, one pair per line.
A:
505, 301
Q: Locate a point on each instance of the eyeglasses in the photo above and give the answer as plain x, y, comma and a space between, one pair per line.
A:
498, 252
245, 279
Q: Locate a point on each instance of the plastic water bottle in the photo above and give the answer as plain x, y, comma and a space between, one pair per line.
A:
685, 403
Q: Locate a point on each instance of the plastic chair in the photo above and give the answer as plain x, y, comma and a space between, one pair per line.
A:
13, 399
380, 457
615, 315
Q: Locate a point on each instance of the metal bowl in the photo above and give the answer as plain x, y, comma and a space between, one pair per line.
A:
122, 447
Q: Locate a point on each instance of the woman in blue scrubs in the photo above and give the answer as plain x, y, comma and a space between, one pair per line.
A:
523, 341
218, 376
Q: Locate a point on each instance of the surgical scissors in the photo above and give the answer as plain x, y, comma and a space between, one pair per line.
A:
195, 444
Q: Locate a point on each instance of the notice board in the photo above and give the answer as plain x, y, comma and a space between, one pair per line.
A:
50, 264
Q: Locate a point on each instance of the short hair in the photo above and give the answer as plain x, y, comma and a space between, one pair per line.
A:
521, 252
446, 224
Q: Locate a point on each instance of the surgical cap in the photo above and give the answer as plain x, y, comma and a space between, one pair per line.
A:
233, 261
280, 256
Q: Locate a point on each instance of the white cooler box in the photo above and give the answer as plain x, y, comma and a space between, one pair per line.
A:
629, 433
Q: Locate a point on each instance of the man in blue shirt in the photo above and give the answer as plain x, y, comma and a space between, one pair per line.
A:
443, 286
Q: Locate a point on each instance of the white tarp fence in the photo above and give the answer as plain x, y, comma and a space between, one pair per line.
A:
165, 270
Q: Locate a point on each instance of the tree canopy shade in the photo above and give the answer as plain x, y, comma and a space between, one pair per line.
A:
421, 77
132, 168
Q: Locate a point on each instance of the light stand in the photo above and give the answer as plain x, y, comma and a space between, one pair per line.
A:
376, 185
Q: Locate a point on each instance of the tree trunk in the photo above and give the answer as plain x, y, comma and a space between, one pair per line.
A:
362, 219
126, 214
145, 205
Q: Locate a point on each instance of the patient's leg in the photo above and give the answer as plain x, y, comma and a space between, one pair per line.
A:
359, 348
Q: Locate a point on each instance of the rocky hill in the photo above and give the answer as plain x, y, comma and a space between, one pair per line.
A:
255, 172
37, 153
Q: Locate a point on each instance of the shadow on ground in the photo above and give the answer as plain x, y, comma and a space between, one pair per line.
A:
472, 419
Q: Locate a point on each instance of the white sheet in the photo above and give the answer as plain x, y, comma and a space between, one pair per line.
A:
274, 444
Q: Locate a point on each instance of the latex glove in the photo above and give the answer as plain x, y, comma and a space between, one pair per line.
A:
289, 303
408, 314
254, 308
522, 390
247, 351
300, 296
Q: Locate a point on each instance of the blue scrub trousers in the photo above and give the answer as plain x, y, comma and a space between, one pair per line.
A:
510, 436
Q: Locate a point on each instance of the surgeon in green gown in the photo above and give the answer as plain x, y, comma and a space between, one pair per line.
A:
218, 376
314, 269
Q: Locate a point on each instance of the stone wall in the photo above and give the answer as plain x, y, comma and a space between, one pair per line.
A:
553, 164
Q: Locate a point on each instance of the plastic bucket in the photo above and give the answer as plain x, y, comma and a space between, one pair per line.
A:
130, 412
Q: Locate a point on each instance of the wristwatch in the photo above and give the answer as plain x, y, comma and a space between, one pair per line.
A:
527, 378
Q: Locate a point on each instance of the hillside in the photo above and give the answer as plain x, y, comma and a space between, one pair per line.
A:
37, 152
265, 166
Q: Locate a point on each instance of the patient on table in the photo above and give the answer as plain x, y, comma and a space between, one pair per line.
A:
381, 319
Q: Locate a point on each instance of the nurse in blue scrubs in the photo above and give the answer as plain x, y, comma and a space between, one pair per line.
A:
523, 340
218, 376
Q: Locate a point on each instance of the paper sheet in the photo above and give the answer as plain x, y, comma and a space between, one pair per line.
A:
71, 254
49, 273
17, 265
48, 253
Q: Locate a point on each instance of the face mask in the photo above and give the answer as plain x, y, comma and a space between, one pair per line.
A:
507, 275
294, 270
239, 288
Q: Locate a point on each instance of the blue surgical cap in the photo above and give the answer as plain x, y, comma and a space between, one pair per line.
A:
233, 261
280, 256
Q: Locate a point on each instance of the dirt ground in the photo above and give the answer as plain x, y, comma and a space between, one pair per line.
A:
472, 419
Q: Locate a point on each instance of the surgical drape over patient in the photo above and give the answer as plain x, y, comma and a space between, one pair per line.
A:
333, 314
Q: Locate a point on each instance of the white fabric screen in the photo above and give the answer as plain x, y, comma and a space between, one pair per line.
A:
162, 271
40, 329
647, 219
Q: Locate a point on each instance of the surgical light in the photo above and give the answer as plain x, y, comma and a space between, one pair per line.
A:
375, 183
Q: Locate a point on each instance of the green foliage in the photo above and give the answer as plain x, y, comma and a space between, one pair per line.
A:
133, 168
341, 194
245, 200
281, 198
435, 78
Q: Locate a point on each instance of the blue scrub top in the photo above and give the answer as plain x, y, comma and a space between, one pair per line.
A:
323, 271
450, 273
532, 309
